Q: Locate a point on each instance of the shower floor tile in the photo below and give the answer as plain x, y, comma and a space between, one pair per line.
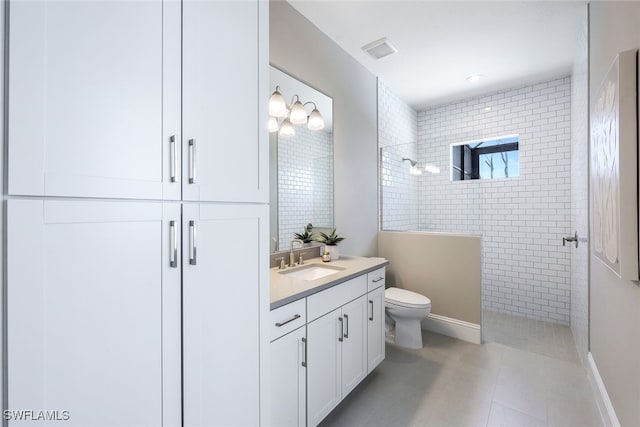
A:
535, 336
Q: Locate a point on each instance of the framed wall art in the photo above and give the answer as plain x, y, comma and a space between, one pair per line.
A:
614, 168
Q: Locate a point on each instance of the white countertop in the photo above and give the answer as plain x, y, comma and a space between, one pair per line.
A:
285, 289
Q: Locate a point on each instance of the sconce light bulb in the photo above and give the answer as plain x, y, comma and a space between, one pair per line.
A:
277, 105
273, 124
316, 122
298, 115
286, 129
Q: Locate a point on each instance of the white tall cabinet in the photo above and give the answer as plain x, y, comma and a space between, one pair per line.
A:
223, 157
137, 269
94, 99
221, 289
93, 310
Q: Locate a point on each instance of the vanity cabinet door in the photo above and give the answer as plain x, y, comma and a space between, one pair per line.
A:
94, 99
225, 289
324, 367
289, 379
354, 345
93, 312
225, 94
375, 328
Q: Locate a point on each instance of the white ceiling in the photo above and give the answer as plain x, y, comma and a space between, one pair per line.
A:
439, 44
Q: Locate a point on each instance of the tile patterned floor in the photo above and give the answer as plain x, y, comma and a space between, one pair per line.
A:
455, 383
535, 336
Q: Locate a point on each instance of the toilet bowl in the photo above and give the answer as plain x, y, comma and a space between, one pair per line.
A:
406, 309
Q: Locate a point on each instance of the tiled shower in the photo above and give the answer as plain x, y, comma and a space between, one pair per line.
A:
526, 270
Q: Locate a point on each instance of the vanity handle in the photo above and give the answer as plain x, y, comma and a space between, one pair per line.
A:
304, 359
371, 318
173, 154
173, 258
192, 161
192, 242
341, 337
346, 321
378, 279
295, 317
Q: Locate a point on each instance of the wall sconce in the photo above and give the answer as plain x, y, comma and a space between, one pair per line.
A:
295, 114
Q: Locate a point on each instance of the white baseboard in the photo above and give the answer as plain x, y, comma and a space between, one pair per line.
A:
453, 327
607, 412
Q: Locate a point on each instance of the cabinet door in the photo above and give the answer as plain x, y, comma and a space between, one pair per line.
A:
225, 270
324, 370
375, 328
94, 98
289, 380
354, 346
93, 311
225, 94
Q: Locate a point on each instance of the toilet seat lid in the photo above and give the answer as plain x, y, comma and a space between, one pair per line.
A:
405, 298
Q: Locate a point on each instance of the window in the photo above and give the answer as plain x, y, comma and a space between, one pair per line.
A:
485, 159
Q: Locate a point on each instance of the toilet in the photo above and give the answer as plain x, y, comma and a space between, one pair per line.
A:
406, 309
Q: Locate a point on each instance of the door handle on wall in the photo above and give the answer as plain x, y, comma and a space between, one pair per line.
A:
573, 238
173, 257
173, 158
192, 242
192, 161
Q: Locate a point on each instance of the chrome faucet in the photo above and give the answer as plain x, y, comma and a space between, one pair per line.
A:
292, 258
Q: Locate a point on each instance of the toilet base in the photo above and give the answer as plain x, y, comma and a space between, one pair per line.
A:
408, 333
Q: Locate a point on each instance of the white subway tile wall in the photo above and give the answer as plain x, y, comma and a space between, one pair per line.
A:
305, 182
397, 138
526, 270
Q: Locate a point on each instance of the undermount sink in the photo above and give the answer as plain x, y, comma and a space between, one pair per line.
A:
312, 272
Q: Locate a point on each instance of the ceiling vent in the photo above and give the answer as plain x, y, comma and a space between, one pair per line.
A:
380, 48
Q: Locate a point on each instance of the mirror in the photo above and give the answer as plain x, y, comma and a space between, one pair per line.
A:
301, 166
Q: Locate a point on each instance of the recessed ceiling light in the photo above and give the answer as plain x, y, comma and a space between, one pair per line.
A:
380, 48
473, 78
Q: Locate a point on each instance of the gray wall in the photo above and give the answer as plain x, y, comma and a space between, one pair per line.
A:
615, 304
302, 50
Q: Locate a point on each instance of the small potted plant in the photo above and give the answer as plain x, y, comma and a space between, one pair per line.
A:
331, 241
307, 237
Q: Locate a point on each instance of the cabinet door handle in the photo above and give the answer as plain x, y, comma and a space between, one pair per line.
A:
304, 357
173, 257
192, 242
341, 337
192, 161
173, 158
279, 324
378, 279
371, 318
346, 321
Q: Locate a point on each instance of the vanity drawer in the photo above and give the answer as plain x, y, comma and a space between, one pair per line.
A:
287, 318
375, 279
328, 300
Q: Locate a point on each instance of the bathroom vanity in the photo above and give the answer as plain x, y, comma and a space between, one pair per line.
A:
327, 335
